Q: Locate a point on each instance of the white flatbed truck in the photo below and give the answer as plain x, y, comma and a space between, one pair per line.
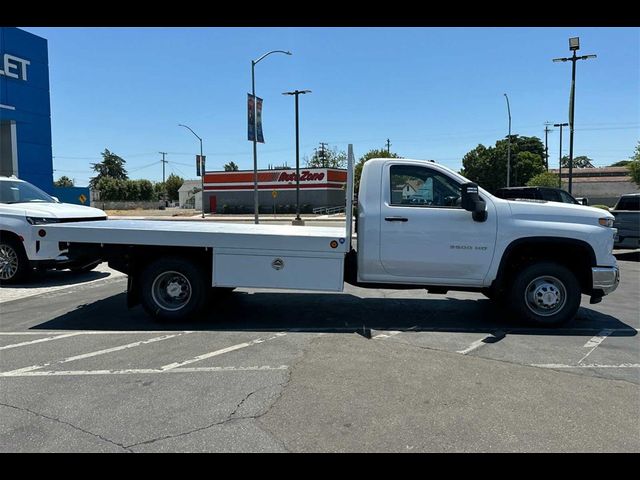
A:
536, 257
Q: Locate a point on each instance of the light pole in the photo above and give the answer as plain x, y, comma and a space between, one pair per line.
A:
298, 220
509, 142
201, 167
574, 45
255, 130
560, 160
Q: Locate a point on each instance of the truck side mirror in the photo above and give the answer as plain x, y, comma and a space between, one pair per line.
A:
472, 202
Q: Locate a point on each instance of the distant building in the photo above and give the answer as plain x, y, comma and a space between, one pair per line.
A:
190, 194
600, 185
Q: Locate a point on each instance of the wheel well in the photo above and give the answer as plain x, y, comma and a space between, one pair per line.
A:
576, 255
13, 236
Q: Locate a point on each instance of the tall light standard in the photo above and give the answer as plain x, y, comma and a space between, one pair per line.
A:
255, 130
574, 45
298, 220
509, 142
560, 161
201, 167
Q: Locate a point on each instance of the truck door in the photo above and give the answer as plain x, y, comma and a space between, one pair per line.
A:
426, 235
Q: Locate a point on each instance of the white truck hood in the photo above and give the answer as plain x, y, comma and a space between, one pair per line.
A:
557, 212
51, 210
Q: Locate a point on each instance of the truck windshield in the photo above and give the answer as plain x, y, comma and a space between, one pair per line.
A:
22, 192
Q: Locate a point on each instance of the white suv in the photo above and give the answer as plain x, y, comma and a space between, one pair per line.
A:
23, 205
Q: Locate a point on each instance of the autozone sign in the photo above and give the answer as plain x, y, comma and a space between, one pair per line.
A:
310, 179
305, 176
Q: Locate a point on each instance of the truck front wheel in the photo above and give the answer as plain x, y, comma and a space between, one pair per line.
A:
172, 289
545, 294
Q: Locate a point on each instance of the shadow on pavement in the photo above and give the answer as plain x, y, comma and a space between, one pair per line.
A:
56, 278
633, 256
332, 313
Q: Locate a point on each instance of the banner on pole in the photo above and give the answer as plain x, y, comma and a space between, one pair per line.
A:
200, 164
252, 124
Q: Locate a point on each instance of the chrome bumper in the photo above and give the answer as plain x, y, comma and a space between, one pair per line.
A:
605, 279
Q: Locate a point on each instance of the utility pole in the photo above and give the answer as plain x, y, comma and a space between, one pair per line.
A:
546, 148
322, 156
164, 193
388, 146
560, 157
163, 163
509, 142
574, 45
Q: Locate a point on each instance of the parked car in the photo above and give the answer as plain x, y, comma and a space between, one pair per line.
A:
23, 248
627, 221
548, 194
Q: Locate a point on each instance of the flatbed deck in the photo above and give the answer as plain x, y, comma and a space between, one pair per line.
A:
200, 234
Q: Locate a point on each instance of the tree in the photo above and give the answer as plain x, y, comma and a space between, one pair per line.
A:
544, 179
112, 166
487, 166
621, 163
173, 184
331, 158
634, 167
231, 167
382, 153
578, 162
63, 181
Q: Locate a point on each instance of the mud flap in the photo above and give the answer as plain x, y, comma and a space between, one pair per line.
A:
133, 291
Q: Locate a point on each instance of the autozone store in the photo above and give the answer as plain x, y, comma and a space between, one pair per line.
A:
233, 192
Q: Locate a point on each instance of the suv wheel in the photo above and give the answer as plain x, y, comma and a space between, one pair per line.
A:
14, 265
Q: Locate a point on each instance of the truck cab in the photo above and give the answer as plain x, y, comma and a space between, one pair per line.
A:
538, 257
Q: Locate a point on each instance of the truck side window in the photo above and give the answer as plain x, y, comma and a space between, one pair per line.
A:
422, 187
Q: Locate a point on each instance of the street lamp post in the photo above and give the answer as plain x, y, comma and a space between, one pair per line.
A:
298, 220
201, 167
574, 45
255, 131
560, 158
509, 142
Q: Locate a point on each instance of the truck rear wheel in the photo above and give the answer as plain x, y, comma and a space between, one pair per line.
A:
172, 289
545, 294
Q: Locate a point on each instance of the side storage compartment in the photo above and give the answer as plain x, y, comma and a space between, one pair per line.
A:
278, 269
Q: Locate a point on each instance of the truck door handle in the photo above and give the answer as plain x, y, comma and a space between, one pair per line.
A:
396, 219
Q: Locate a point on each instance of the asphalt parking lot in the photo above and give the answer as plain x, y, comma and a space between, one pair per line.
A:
366, 370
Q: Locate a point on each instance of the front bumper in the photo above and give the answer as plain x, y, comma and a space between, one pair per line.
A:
605, 279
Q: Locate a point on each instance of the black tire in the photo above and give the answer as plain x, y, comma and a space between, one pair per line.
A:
14, 264
545, 294
86, 268
173, 289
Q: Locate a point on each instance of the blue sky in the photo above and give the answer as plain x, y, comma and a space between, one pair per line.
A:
436, 93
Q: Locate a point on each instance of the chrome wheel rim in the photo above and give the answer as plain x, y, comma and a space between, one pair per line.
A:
171, 291
545, 296
8, 262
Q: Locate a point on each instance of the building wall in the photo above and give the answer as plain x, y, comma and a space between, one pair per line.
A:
319, 187
25, 106
602, 186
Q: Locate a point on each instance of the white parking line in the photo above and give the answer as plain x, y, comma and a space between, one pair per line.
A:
89, 355
474, 345
382, 336
222, 351
97, 332
593, 365
595, 341
138, 371
40, 340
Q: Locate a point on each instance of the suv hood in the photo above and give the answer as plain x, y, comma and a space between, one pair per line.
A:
557, 212
52, 210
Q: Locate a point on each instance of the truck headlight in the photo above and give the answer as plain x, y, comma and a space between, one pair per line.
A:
42, 220
606, 222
